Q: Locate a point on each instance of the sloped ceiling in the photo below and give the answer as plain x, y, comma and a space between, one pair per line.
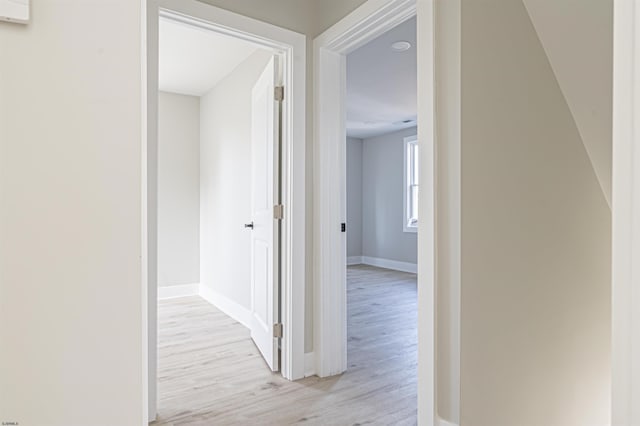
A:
577, 36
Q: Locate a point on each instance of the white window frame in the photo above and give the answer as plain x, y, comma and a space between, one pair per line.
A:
407, 224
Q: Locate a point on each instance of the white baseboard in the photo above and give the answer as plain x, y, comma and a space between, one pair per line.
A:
309, 364
354, 260
442, 422
226, 305
182, 290
390, 264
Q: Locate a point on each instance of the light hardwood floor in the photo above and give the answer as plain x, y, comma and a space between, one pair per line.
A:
210, 372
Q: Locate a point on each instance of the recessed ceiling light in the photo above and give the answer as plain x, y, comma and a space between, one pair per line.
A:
401, 46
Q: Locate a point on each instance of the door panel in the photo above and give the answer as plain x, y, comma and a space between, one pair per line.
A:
264, 242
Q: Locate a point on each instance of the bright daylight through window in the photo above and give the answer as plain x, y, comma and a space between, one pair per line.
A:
411, 176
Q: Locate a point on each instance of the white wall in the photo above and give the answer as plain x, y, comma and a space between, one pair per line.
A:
71, 299
328, 12
536, 237
354, 197
178, 189
582, 63
70, 114
225, 182
448, 207
382, 199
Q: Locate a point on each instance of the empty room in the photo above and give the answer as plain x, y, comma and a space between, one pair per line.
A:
382, 211
210, 186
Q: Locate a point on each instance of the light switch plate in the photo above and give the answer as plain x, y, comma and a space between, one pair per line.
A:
14, 11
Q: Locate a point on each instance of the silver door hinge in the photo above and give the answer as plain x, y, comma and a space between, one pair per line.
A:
278, 212
277, 330
279, 93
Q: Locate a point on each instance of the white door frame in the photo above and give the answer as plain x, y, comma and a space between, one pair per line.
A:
626, 215
370, 20
329, 172
291, 46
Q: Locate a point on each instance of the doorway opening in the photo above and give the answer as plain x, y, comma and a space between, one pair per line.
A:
218, 183
225, 138
331, 50
382, 170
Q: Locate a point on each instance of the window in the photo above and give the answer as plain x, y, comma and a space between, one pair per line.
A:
411, 173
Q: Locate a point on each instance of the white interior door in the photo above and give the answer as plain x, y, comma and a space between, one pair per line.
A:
265, 232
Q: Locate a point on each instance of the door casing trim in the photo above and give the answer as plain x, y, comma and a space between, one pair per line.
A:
291, 47
370, 20
625, 215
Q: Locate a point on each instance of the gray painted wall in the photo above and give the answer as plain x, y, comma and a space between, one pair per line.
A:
382, 199
310, 17
178, 189
354, 197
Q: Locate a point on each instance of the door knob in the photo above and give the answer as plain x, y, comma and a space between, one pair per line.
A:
249, 225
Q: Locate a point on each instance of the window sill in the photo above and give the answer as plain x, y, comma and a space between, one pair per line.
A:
410, 229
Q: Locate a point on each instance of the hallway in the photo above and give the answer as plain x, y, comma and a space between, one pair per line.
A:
210, 372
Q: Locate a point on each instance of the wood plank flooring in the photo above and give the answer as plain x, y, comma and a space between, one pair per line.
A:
210, 372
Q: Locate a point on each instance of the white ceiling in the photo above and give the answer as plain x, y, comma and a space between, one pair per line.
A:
382, 84
192, 60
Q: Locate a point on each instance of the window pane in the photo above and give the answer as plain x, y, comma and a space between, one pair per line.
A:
413, 214
415, 166
411, 183
411, 163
